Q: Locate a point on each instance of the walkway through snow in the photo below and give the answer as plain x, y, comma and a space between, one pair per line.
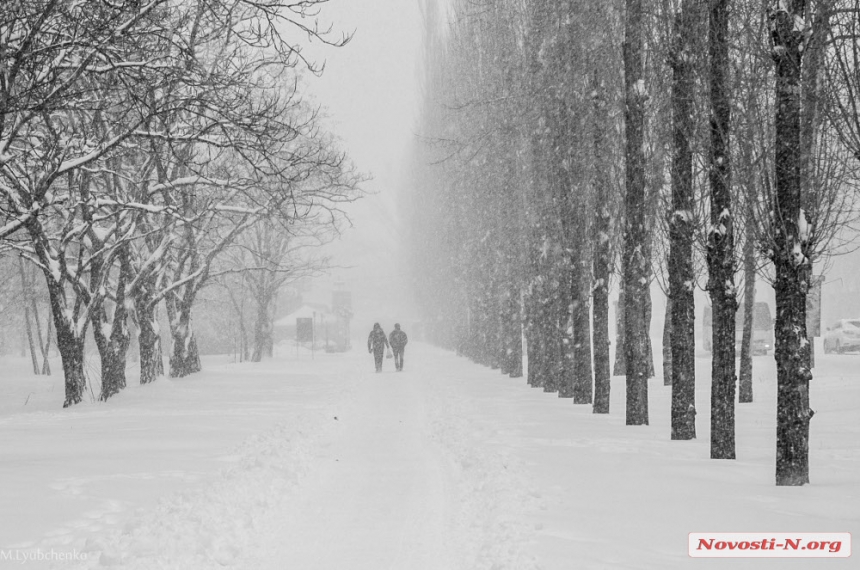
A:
402, 482
364, 471
446, 466
377, 495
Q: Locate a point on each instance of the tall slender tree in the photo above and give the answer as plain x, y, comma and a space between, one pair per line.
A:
791, 248
635, 263
602, 260
721, 265
681, 220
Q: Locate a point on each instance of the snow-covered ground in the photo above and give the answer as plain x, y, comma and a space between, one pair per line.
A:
322, 464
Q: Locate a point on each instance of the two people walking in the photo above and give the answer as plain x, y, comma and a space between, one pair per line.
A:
377, 342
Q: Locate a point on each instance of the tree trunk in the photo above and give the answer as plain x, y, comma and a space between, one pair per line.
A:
70, 345
184, 356
552, 340
721, 244
113, 347
565, 333
681, 272
600, 317
70, 333
515, 342
46, 366
45, 346
582, 370
539, 349
619, 368
149, 346
602, 259
533, 354
71, 348
244, 348
504, 333
262, 328
26, 292
557, 256
494, 336
580, 250
30, 343
149, 337
648, 306
745, 390
113, 352
109, 379
635, 263
790, 254
667, 343
749, 173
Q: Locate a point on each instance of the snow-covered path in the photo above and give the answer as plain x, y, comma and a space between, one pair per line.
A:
403, 480
292, 463
378, 494
300, 464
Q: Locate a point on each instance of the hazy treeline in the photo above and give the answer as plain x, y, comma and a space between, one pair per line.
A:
701, 145
149, 148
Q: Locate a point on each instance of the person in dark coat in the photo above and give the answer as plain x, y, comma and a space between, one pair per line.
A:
398, 340
377, 342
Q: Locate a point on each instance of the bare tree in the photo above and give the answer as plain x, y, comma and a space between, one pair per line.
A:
721, 265
839, 32
635, 263
267, 257
87, 82
790, 249
681, 220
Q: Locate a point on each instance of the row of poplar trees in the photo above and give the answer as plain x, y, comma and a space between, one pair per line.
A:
695, 144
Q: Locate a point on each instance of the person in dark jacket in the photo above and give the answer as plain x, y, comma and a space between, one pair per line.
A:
377, 342
398, 340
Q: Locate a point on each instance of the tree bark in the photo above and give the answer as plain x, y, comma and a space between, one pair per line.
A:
745, 389
515, 332
71, 329
667, 343
602, 259
582, 373
635, 263
619, 367
149, 339
681, 273
25, 291
46, 366
790, 250
113, 347
149, 344
262, 329
71, 348
44, 347
721, 265
184, 356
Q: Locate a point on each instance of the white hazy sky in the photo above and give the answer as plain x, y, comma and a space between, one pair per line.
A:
370, 92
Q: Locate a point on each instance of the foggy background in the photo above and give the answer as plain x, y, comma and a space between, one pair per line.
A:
370, 94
